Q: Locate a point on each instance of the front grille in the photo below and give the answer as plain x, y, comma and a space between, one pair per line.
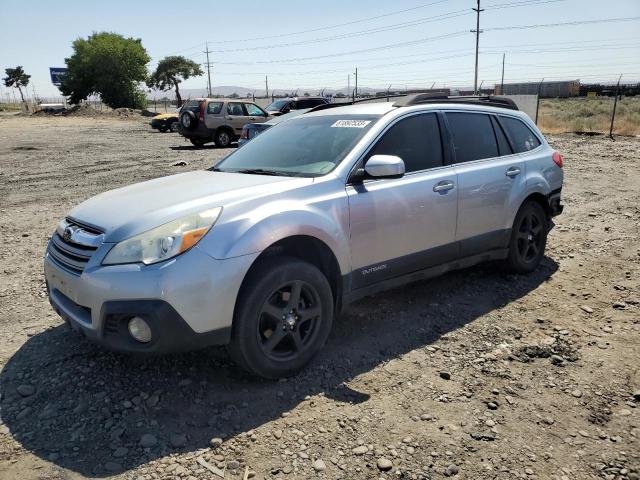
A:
71, 255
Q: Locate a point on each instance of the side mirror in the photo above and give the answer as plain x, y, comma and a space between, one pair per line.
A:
384, 166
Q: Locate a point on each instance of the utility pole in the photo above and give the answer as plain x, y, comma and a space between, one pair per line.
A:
207, 51
355, 93
477, 31
349, 84
266, 86
502, 81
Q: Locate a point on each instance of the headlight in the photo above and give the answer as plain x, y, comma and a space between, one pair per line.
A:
165, 241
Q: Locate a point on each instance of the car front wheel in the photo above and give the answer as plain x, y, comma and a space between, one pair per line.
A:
283, 317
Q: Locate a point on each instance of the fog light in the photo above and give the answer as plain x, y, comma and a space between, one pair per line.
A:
140, 330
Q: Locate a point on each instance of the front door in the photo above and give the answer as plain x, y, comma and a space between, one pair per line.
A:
403, 225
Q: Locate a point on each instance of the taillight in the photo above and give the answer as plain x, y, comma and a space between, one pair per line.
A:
244, 135
202, 111
557, 158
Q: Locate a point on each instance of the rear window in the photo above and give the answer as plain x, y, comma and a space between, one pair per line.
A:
473, 136
522, 137
309, 102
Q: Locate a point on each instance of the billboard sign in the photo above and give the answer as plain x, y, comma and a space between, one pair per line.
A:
57, 74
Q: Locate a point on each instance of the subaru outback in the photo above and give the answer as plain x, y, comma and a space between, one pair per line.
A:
263, 250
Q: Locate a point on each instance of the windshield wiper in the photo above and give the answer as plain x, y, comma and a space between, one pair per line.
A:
261, 171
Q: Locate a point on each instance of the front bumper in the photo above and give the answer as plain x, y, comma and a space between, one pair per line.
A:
187, 301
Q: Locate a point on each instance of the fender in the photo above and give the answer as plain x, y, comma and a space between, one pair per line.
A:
325, 217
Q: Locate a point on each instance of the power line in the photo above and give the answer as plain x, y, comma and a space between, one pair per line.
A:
442, 37
412, 23
338, 25
563, 24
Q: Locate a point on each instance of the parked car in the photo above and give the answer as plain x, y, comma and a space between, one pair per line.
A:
206, 120
166, 122
285, 105
263, 250
251, 130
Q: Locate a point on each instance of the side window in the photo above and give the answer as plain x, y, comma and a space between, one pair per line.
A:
235, 109
310, 103
254, 111
473, 136
214, 108
503, 143
416, 140
522, 137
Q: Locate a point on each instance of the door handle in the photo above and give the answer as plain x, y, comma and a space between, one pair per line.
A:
443, 186
512, 172
252, 118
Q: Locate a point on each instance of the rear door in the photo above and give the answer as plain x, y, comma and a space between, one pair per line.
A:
489, 178
214, 116
403, 225
237, 117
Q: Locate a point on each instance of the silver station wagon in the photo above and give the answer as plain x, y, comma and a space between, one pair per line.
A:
262, 251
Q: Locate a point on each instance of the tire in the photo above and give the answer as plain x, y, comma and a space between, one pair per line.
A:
223, 138
162, 129
272, 337
528, 238
174, 126
196, 142
188, 120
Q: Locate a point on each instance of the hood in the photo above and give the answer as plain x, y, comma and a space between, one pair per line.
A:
134, 209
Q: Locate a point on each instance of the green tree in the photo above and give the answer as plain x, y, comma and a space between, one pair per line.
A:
171, 71
16, 78
110, 65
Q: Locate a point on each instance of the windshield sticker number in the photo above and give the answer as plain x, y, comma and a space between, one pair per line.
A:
351, 124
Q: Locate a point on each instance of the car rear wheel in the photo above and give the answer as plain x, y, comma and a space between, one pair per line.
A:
174, 126
223, 138
283, 317
528, 238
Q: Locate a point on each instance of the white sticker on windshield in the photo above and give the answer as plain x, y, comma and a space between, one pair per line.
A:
351, 123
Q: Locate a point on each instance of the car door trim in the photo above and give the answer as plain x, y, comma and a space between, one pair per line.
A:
423, 265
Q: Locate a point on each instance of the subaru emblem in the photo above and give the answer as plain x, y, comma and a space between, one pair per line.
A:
68, 232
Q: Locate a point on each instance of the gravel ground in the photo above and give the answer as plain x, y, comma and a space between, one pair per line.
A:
475, 375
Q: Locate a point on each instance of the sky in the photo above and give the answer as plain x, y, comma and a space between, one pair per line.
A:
314, 45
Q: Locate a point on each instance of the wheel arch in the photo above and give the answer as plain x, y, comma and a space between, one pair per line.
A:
309, 249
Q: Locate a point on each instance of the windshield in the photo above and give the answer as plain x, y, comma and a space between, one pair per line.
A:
277, 105
303, 146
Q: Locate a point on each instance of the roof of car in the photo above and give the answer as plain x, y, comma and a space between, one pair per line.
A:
244, 100
379, 108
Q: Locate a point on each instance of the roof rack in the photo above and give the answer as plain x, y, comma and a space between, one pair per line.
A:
317, 108
488, 100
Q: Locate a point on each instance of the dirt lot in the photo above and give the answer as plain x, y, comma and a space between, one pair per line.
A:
476, 375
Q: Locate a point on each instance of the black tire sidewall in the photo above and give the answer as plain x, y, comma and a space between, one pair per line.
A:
217, 140
514, 262
255, 291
